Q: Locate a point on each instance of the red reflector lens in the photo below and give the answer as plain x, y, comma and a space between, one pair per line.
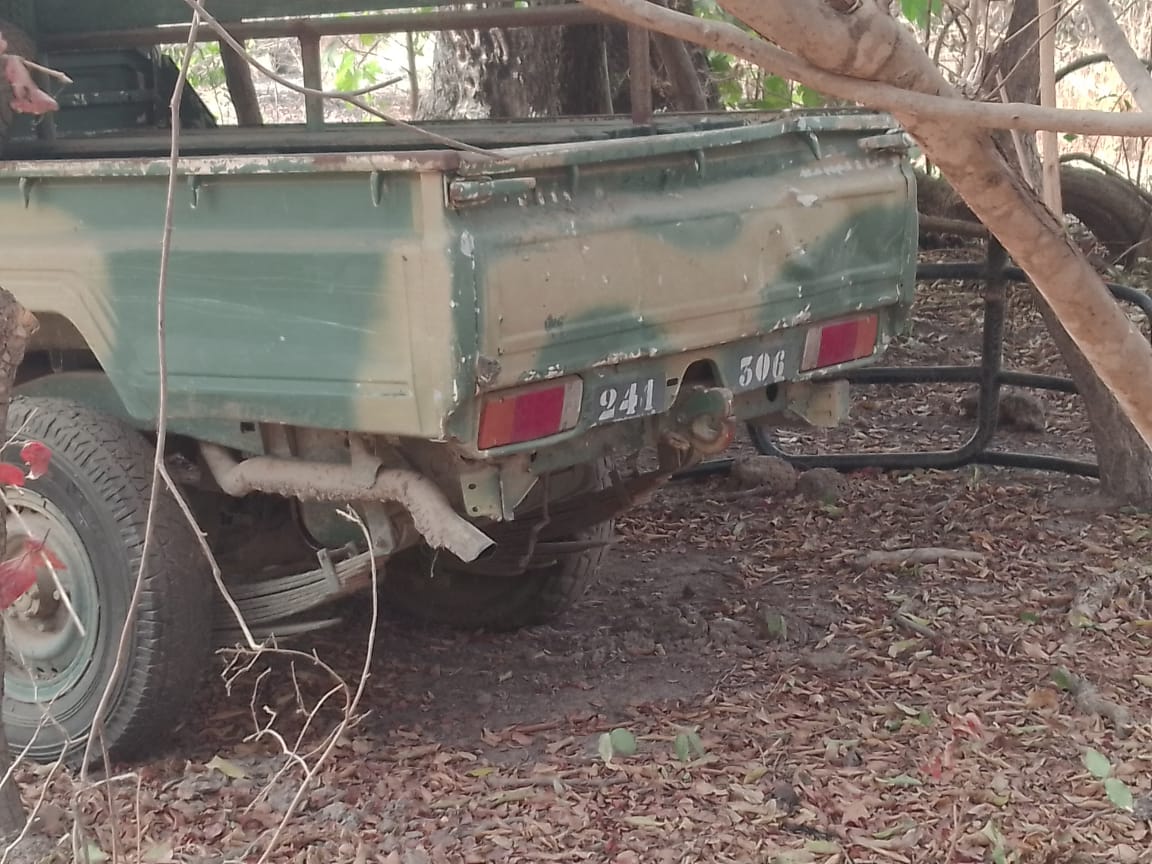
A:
529, 414
838, 343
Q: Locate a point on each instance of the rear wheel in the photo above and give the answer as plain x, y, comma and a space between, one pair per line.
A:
90, 509
424, 584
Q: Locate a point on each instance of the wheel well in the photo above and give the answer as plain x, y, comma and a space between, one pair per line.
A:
57, 346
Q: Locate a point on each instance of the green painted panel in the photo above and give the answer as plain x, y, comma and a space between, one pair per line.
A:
281, 302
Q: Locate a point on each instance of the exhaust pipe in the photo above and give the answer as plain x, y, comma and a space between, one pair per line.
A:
365, 479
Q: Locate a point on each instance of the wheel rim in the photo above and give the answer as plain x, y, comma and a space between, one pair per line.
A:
46, 655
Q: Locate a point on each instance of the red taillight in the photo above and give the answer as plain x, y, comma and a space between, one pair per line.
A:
530, 413
840, 342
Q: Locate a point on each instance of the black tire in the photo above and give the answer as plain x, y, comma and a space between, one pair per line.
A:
94, 498
1112, 208
424, 585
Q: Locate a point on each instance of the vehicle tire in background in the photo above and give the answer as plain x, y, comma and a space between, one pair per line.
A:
424, 585
1114, 209
91, 508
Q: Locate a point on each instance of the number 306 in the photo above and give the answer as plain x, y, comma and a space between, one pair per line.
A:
761, 368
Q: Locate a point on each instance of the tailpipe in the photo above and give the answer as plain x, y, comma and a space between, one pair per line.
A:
365, 479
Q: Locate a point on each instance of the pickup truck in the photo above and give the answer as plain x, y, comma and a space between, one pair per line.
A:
463, 347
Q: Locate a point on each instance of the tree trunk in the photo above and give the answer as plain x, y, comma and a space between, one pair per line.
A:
495, 73
546, 71
241, 87
1125, 463
16, 326
862, 40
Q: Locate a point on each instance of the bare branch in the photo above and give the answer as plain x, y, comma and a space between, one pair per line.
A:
1120, 52
730, 39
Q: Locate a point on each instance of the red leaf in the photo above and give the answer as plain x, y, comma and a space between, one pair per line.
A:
36, 456
10, 475
27, 98
18, 574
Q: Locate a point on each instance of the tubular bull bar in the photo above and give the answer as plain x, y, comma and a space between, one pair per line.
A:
996, 278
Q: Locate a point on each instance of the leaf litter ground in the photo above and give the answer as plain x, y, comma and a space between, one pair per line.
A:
835, 713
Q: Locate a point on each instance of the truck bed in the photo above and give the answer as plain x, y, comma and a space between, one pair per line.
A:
342, 279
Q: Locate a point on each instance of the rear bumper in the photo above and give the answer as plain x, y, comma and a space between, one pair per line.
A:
632, 402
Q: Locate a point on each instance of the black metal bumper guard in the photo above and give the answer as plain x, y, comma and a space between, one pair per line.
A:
990, 375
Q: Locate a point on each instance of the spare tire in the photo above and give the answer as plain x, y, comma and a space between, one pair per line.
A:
1112, 208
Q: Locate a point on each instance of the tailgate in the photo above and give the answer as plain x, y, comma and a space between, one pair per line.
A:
588, 255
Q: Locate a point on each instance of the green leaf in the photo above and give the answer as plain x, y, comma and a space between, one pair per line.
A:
809, 98
889, 833
225, 767
1096, 763
902, 647
1029, 617
754, 774
604, 748
1062, 678
623, 742
682, 747
992, 832
95, 854
695, 742
1118, 793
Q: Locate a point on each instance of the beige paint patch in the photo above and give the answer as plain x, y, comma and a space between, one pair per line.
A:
415, 309
50, 266
693, 295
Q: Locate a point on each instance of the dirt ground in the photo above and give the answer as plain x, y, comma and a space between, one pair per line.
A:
787, 703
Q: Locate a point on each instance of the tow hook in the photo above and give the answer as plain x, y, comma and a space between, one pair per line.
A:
701, 420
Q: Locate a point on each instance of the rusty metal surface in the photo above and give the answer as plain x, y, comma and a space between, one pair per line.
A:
398, 22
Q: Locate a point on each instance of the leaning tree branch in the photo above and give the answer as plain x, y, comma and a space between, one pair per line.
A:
730, 39
1091, 60
1120, 52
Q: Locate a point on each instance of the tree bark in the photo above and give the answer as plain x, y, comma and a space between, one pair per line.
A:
495, 73
942, 107
241, 87
16, 327
861, 40
1125, 464
540, 72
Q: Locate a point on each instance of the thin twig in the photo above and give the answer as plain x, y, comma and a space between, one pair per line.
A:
162, 405
350, 710
36, 67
